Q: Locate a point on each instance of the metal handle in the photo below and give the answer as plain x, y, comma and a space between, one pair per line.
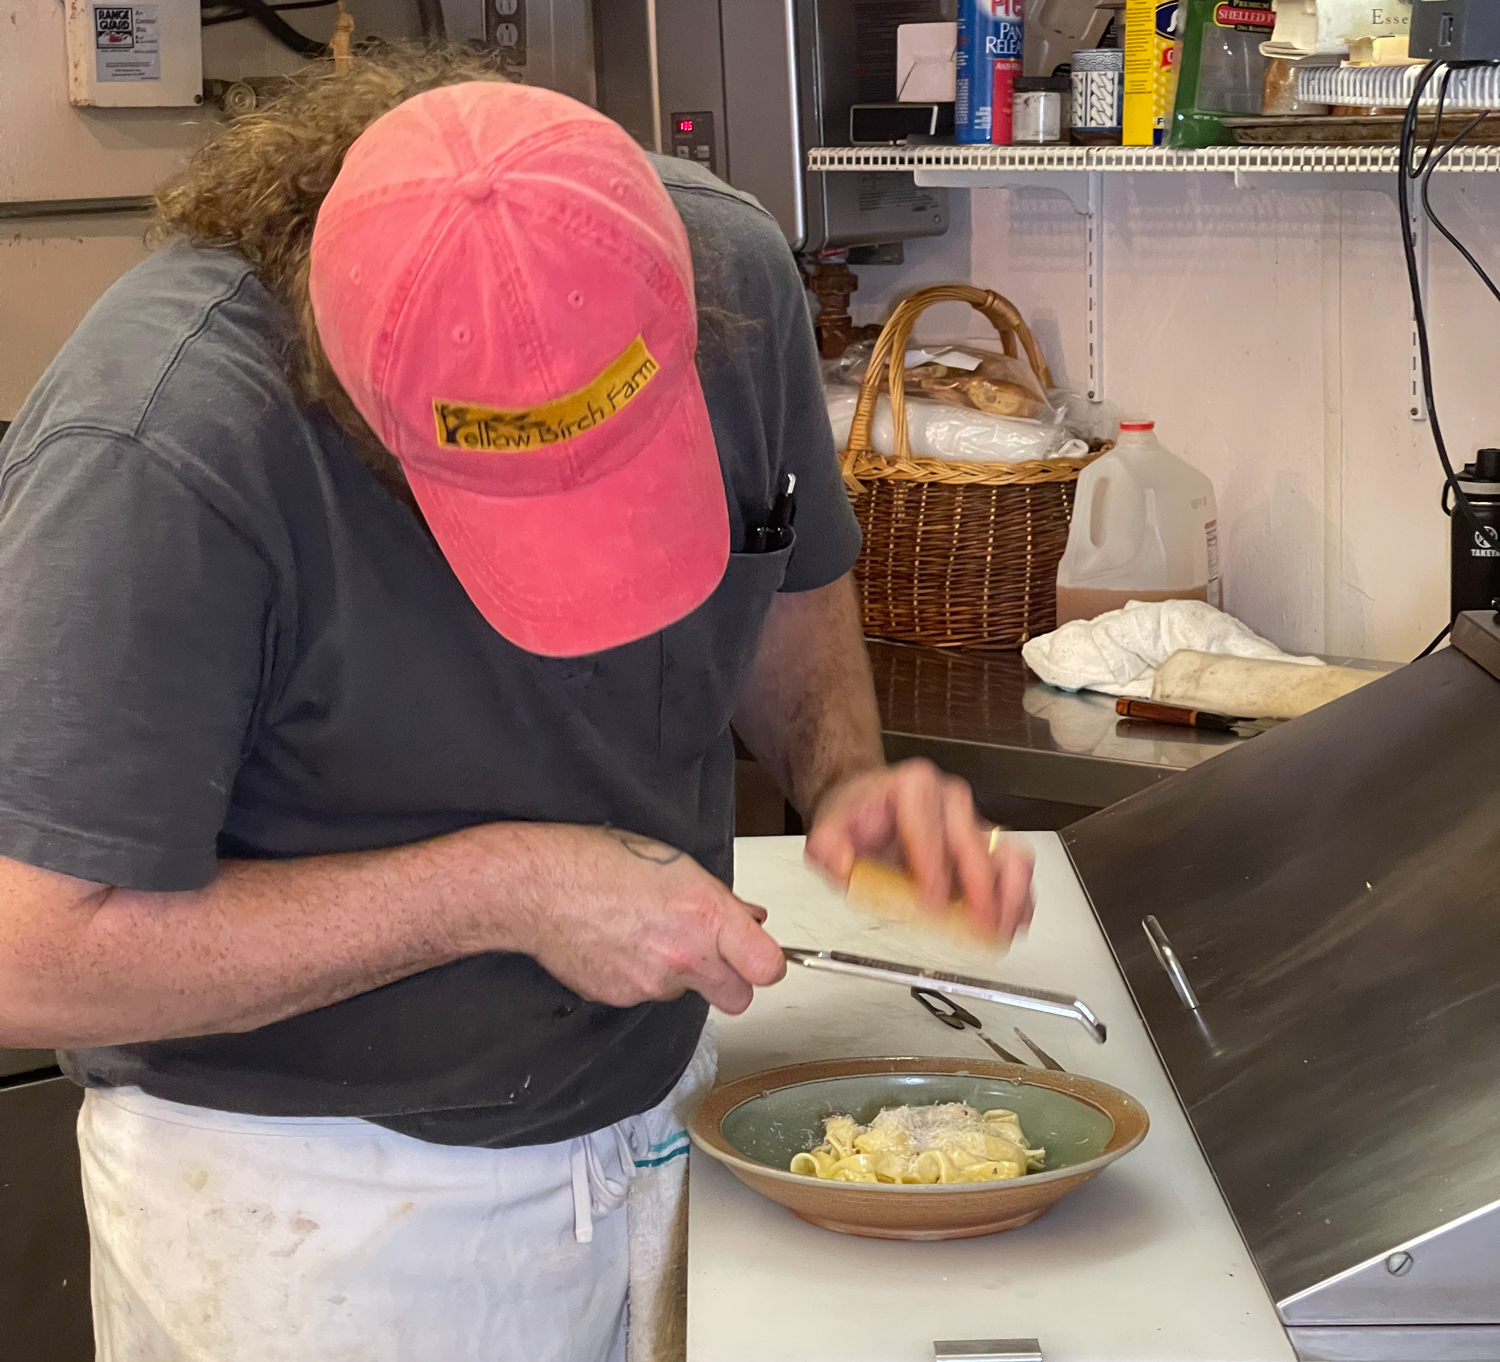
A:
1169, 962
987, 1350
950, 1014
987, 990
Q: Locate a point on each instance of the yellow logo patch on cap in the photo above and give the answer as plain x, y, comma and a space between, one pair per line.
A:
463, 425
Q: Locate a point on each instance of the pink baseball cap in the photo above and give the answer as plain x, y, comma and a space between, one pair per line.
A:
504, 289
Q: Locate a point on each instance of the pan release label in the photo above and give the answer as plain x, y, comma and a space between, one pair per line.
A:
125, 42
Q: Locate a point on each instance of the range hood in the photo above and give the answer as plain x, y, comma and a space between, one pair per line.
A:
1330, 894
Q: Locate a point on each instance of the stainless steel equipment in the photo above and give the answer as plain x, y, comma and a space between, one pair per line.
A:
959, 985
44, 1242
746, 87
1327, 896
13, 1063
550, 42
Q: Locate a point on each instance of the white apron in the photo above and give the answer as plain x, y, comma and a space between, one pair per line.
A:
226, 1238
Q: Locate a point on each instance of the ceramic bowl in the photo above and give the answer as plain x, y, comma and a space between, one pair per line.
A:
755, 1125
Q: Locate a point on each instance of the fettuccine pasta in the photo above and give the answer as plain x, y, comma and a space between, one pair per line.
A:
950, 1142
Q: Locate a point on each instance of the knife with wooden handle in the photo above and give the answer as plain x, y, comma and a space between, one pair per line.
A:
1153, 712
1176, 715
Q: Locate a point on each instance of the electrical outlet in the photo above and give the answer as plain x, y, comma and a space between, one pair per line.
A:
1455, 30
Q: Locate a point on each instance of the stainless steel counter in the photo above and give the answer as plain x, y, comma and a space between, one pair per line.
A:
1308, 929
1037, 757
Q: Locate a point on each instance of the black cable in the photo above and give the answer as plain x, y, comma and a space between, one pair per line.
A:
1442, 634
1406, 174
266, 16
1437, 121
430, 20
237, 15
232, 9
1436, 221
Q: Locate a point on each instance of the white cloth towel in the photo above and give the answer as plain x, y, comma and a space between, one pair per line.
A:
657, 1208
1118, 652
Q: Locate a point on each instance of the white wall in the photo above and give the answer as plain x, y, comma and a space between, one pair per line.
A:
51, 271
1265, 329
942, 259
53, 268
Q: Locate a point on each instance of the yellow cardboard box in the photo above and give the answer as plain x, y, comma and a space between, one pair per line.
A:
1152, 47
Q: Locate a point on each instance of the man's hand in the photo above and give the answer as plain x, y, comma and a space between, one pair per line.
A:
809, 713
625, 920
915, 817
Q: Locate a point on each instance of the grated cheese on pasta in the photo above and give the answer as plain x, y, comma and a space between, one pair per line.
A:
949, 1142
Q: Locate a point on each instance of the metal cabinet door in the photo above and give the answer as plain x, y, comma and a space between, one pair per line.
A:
44, 1239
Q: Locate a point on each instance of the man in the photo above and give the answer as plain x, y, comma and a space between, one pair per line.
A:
375, 601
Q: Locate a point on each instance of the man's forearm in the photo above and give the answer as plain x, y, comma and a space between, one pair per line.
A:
84, 964
809, 712
617, 917
808, 709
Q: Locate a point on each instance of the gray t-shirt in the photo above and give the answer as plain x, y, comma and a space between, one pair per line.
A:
221, 637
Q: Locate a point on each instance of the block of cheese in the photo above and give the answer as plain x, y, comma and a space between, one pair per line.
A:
1250, 687
892, 894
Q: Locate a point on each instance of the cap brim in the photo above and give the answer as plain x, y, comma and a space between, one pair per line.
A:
603, 564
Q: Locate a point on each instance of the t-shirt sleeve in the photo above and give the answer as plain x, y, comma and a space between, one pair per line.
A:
828, 537
133, 627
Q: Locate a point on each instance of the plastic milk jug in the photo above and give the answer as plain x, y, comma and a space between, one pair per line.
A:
1145, 528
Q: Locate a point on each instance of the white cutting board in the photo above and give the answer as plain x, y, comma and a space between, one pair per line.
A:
1142, 1265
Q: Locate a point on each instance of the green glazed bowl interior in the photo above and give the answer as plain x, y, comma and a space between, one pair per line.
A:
773, 1126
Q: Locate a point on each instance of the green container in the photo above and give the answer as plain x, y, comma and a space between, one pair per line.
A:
1222, 73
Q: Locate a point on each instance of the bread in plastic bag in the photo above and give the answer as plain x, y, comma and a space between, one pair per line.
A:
961, 374
940, 430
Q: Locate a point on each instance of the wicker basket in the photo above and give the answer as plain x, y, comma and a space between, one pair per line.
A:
955, 554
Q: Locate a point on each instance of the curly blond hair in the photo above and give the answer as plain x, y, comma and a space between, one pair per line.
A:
256, 185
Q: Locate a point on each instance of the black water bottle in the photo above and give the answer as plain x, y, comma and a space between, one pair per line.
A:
1474, 574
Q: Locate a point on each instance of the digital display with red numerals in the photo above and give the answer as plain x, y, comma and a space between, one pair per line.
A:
684, 125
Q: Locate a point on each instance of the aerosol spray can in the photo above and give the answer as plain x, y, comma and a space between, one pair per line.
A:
988, 62
1474, 572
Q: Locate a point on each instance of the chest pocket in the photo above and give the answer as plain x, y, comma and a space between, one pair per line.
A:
706, 656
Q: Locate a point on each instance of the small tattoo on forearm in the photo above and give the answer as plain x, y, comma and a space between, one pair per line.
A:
658, 853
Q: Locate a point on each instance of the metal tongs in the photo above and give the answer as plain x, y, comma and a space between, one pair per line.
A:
960, 985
